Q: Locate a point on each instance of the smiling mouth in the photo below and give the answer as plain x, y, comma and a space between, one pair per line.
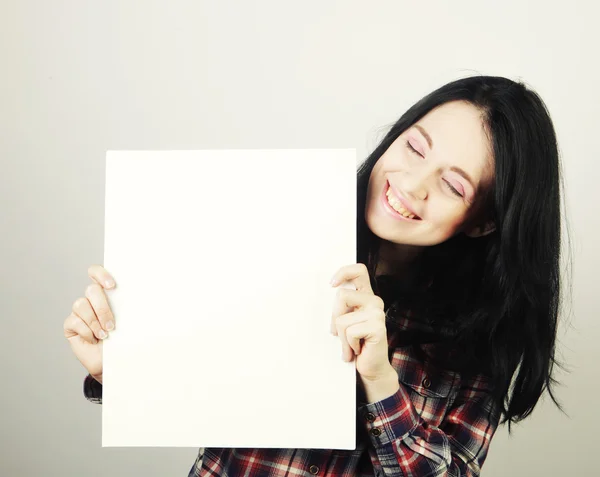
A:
397, 206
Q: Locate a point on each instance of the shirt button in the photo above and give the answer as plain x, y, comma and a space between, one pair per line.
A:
426, 383
314, 470
376, 432
370, 416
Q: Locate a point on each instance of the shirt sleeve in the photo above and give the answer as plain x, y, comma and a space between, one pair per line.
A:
408, 446
92, 390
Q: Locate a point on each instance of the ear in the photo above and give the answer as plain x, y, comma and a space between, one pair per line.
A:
481, 230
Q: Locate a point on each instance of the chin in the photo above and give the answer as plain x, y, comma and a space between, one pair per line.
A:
421, 238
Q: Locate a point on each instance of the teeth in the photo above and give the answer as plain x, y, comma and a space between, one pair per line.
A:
397, 205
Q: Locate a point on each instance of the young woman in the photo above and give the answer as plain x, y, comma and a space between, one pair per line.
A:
457, 290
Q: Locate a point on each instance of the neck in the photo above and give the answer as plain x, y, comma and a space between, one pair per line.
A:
397, 259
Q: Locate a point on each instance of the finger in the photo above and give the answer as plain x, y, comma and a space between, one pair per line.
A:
360, 332
99, 274
344, 322
75, 326
347, 351
339, 308
83, 309
357, 274
97, 298
346, 300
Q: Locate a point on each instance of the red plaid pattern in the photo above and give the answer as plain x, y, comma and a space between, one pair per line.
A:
437, 424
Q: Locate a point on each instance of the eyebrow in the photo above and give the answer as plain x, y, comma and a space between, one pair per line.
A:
458, 170
426, 135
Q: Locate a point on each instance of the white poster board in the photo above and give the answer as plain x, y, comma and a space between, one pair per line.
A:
222, 261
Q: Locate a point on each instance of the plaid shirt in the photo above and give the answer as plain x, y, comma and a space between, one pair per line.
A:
437, 424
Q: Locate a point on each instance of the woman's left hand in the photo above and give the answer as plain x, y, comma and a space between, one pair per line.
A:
358, 319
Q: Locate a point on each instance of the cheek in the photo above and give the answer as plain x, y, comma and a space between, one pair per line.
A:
376, 180
448, 219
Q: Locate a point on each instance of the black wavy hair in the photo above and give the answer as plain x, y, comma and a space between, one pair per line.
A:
491, 303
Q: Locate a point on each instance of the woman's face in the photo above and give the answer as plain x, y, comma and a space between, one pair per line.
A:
424, 196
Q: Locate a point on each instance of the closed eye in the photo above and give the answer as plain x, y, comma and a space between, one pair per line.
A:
412, 149
453, 190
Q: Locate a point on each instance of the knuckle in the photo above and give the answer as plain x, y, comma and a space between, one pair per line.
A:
80, 304
376, 314
94, 270
92, 288
103, 312
69, 322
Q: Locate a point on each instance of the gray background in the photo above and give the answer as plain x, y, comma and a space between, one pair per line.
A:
79, 77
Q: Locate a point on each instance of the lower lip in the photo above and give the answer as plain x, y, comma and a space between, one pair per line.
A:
389, 209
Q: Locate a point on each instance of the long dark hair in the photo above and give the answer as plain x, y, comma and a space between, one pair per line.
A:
490, 303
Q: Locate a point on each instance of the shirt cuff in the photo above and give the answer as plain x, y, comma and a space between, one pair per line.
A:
92, 390
392, 418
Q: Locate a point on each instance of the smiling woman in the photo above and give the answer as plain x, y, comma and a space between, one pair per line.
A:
456, 291
477, 160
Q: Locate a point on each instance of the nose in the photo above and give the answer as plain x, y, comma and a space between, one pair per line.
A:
420, 194
416, 183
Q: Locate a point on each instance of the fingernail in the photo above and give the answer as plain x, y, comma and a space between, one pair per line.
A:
333, 282
102, 334
109, 283
110, 325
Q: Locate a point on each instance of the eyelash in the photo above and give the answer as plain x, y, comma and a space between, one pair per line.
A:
413, 150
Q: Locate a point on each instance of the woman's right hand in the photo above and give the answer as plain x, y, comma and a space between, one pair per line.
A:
90, 322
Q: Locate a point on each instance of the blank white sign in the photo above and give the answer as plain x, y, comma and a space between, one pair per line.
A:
222, 261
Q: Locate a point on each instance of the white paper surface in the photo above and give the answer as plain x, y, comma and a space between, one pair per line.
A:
222, 261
